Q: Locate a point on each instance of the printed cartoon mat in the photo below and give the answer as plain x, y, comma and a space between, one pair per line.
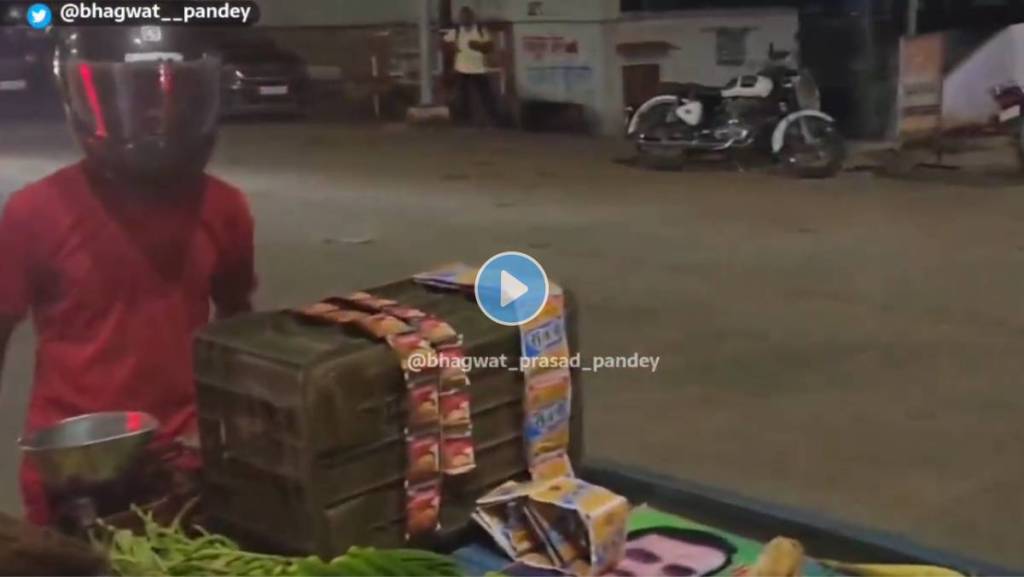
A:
659, 545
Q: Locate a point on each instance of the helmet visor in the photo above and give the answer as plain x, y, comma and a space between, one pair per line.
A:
160, 99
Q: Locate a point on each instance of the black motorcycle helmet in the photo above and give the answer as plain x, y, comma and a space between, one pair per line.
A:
142, 101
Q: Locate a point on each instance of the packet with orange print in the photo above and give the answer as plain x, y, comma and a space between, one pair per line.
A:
438, 332
368, 302
423, 406
424, 457
409, 345
423, 508
382, 326
316, 311
455, 408
458, 454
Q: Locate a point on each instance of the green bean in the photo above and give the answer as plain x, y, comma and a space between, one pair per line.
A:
169, 552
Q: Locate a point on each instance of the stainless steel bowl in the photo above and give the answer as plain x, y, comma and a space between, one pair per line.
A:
89, 450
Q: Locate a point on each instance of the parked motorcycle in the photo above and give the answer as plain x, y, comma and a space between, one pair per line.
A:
776, 111
1011, 105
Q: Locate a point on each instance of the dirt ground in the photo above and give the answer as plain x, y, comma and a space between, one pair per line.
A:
852, 346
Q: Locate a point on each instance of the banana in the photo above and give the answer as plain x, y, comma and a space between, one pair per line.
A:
876, 570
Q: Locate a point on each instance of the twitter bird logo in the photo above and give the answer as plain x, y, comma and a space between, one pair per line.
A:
39, 16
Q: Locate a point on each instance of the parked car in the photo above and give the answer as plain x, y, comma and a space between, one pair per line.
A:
21, 54
260, 77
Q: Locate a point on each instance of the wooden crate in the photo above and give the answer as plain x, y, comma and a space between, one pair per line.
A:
302, 426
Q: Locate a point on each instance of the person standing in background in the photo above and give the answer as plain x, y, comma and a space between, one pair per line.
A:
471, 43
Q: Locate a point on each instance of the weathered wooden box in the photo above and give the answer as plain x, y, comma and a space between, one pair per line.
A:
302, 426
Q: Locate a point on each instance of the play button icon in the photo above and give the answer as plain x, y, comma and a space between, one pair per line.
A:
512, 288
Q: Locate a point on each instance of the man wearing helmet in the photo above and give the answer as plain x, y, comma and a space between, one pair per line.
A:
119, 256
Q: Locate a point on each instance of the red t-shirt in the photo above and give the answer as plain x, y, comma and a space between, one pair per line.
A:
118, 284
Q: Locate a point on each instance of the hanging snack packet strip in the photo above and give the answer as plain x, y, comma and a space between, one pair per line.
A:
422, 432
548, 399
545, 348
459, 456
418, 360
438, 395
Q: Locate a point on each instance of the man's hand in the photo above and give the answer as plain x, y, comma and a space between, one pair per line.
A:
480, 46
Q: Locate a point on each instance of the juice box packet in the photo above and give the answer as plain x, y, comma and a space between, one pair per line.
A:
458, 276
547, 430
601, 514
580, 527
548, 389
545, 338
506, 523
566, 547
552, 466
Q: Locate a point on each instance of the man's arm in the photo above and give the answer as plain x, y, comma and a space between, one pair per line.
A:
20, 247
235, 279
485, 43
7, 325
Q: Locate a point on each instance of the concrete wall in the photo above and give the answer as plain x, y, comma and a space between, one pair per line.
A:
693, 33
562, 62
966, 96
336, 12
576, 61
543, 10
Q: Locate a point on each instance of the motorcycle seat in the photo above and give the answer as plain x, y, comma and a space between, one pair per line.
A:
690, 90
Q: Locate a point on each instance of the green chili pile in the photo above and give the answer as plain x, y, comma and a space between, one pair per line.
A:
169, 552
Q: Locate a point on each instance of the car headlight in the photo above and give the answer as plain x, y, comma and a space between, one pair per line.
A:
232, 76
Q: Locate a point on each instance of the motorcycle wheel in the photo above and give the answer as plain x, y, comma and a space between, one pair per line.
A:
813, 148
655, 123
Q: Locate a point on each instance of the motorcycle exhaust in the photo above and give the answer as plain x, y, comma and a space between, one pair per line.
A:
702, 145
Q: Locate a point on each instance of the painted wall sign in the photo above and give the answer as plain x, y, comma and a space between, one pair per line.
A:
921, 74
556, 66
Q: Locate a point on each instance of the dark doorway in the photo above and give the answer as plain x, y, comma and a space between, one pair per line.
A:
640, 83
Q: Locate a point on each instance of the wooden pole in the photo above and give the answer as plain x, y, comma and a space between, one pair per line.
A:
913, 7
426, 53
